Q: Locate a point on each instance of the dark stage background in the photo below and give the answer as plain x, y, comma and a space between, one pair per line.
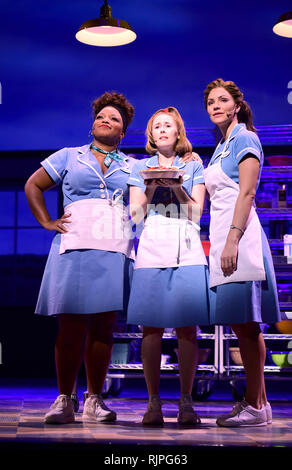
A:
49, 79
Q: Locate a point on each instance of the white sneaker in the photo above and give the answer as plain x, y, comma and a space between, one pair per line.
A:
269, 413
96, 411
61, 411
244, 414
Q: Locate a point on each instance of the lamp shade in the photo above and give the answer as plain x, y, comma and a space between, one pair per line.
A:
283, 27
106, 31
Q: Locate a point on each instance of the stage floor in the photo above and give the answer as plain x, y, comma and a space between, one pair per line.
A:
23, 407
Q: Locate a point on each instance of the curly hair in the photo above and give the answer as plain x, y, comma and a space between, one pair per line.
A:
245, 113
117, 100
182, 145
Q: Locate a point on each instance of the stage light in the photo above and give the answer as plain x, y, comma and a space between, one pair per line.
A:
283, 27
106, 31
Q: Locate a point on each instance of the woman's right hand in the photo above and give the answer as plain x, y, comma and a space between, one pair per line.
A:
58, 224
152, 183
191, 156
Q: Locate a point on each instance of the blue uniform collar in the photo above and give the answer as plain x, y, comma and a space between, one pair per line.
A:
86, 154
238, 127
153, 161
223, 145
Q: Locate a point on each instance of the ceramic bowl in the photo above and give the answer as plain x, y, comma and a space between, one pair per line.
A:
279, 160
285, 327
236, 356
203, 355
280, 358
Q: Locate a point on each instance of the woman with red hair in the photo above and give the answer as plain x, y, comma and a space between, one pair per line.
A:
170, 280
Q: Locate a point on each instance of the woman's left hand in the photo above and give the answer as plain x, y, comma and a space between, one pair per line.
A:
229, 258
171, 182
191, 156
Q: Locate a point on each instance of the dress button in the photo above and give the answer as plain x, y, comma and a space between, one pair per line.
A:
103, 196
101, 185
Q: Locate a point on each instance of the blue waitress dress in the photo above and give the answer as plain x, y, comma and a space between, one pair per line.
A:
170, 280
250, 293
85, 281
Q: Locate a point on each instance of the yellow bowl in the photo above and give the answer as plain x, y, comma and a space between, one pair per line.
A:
284, 326
280, 358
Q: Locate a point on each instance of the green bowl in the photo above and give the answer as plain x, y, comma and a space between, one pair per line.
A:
280, 358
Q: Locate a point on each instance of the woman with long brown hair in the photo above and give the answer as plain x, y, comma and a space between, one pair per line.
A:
242, 278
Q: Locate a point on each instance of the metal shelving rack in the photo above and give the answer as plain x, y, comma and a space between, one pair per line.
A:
283, 270
221, 369
205, 376
226, 369
212, 369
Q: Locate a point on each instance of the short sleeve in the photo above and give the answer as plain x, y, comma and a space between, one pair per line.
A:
56, 164
247, 142
135, 179
198, 177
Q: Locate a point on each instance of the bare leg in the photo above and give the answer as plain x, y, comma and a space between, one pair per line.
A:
187, 357
151, 357
98, 350
69, 350
253, 353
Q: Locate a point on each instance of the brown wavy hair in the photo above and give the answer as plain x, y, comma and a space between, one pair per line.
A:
118, 100
182, 145
244, 114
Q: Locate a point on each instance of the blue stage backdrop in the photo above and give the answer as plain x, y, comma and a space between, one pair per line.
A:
48, 79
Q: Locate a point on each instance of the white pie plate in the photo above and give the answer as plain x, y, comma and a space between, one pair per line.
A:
157, 174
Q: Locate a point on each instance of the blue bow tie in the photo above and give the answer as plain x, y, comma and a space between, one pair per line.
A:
110, 156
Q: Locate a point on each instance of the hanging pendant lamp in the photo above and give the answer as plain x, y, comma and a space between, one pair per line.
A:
283, 27
106, 31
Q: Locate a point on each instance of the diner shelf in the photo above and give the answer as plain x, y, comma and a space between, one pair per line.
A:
274, 213
126, 335
166, 367
278, 214
269, 369
280, 174
266, 336
286, 307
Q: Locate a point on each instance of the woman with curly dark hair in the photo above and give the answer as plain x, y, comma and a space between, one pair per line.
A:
87, 272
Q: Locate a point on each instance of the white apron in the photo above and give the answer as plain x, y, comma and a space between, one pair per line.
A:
98, 224
169, 242
223, 193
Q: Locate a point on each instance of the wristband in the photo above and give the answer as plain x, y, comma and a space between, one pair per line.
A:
240, 229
